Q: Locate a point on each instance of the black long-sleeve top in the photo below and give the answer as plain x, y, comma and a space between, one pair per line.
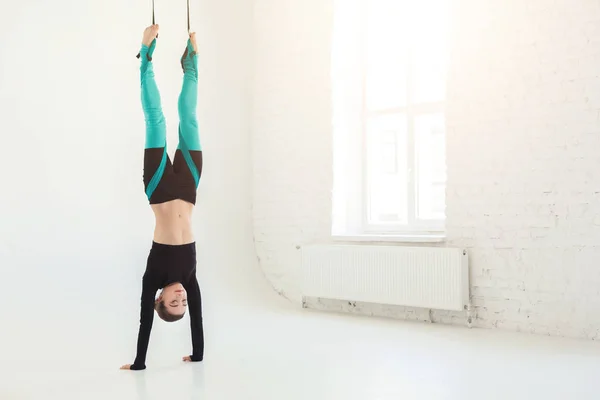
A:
168, 264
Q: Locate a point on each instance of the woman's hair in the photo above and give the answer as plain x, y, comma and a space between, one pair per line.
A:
162, 312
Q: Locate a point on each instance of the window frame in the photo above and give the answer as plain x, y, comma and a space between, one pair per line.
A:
359, 226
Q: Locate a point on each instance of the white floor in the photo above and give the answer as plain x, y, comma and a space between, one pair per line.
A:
259, 347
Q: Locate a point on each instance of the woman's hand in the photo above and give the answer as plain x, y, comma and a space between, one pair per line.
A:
189, 359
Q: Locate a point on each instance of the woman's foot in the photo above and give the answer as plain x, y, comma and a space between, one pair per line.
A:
189, 59
150, 33
193, 41
149, 42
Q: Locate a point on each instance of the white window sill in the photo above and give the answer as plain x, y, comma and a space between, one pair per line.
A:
397, 238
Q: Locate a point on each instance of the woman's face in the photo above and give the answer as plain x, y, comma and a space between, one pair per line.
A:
175, 298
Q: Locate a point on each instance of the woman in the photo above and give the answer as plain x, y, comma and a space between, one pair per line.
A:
171, 191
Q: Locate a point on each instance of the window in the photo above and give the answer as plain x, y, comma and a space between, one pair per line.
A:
389, 63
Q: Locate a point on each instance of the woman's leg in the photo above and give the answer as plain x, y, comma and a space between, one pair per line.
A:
156, 127
156, 160
189, 149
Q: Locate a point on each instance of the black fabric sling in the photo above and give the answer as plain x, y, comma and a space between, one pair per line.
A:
188, 15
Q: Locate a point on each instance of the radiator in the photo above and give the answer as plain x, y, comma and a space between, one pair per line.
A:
433, 278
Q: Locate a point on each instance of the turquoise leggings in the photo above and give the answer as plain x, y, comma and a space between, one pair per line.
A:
165, 181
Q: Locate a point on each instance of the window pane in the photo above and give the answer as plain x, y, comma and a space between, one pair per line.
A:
387, 173
430, 158
429, 76
429, 50
387, 50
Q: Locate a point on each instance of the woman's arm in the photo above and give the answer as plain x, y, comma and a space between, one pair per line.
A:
146, 318
195, 306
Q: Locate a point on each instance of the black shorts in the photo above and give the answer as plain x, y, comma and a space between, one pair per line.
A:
165, 181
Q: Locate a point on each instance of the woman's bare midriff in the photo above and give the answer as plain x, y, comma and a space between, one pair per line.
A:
173, 222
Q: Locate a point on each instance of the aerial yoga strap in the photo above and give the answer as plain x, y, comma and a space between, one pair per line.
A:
188, 15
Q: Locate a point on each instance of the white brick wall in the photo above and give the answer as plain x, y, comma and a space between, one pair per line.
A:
523, 156
291, 134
